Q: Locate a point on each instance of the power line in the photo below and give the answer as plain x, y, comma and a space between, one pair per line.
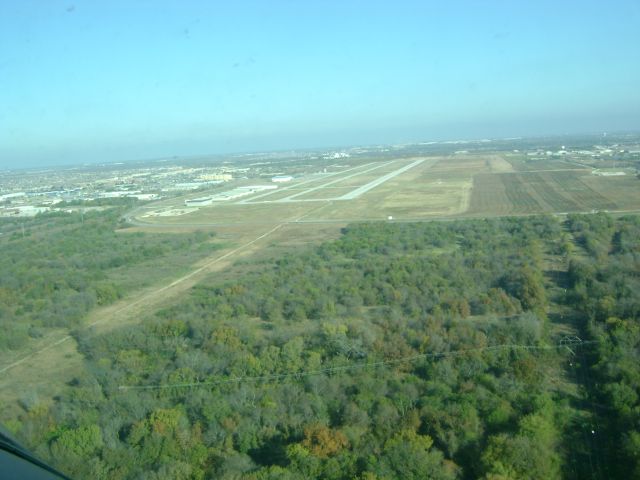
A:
578, 365
595, 437
564, 343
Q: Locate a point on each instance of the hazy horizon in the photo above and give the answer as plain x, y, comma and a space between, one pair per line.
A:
324, 148
94, 82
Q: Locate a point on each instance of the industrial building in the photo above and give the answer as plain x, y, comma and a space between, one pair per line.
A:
282, 178
228, 195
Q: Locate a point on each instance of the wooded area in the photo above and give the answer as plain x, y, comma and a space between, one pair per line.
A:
55, 267
427, 350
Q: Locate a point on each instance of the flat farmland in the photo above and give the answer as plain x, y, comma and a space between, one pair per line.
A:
498, 164
552, 192
524, 163
624, 192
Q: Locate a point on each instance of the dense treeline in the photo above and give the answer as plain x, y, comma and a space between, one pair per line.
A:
605, 289
54, 268
381, 293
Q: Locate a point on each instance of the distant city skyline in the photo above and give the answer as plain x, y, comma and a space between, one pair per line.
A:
93, 82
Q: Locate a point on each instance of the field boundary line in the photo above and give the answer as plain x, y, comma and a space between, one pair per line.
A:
565, 343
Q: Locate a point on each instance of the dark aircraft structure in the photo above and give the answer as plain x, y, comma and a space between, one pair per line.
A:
18, 463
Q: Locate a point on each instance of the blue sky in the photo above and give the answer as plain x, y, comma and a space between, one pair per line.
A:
92, 81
